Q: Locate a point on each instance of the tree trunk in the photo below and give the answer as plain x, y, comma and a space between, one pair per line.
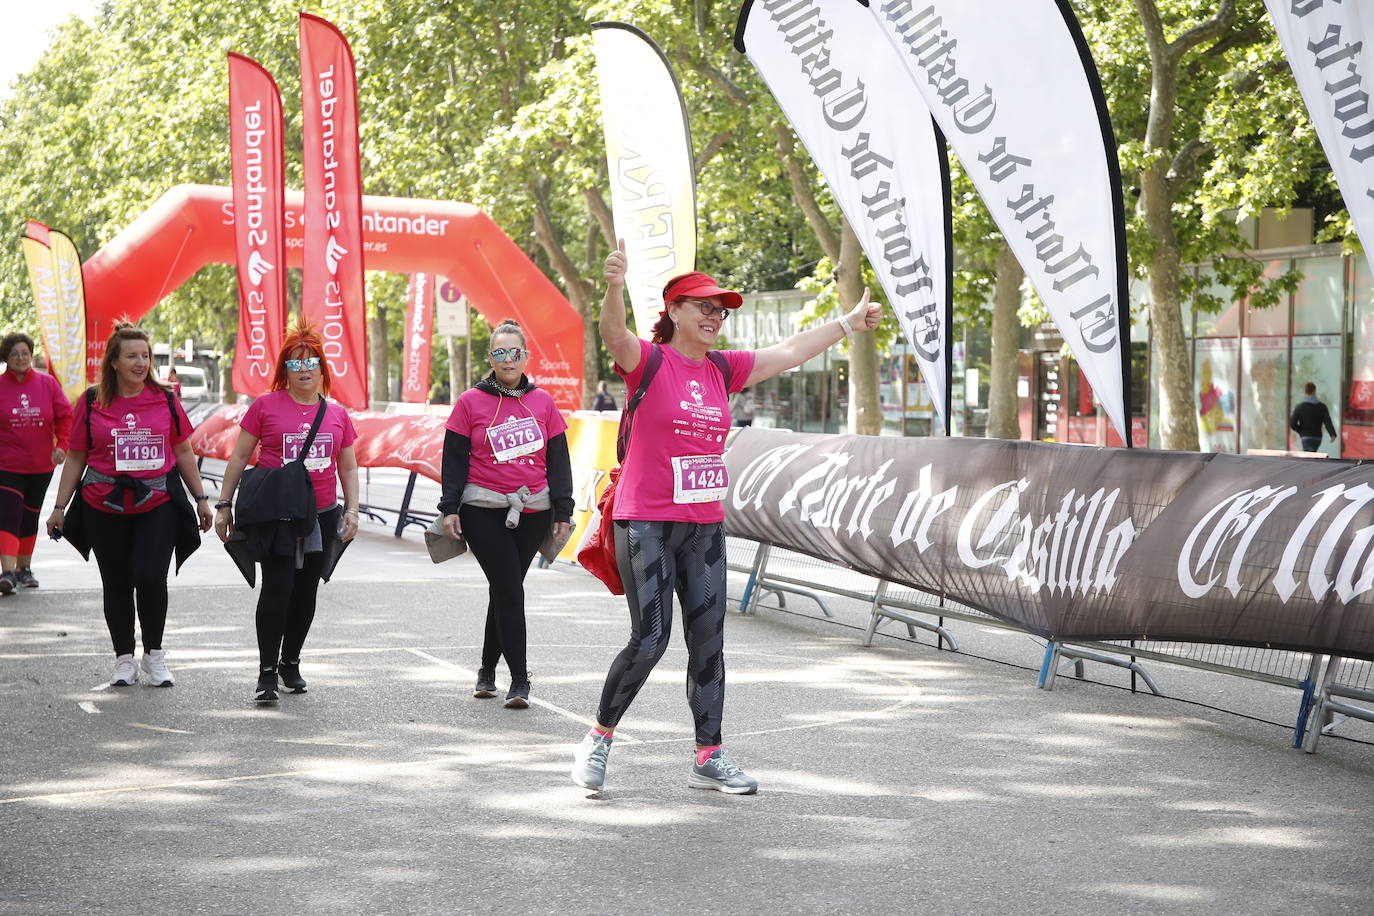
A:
1174, 368
378, 353
865, 412
1177, 415
456, 383
1003, 408
226, 382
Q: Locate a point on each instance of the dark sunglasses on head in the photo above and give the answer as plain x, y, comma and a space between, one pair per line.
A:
709, 309
303, 365
508, 354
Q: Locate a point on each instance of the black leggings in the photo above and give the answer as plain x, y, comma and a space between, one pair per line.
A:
504, 555
286, 599
133, 552
21, 498
656, 559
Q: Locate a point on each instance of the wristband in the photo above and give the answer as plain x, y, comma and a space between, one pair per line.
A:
199, 498
353, 511
224, 504
846, 327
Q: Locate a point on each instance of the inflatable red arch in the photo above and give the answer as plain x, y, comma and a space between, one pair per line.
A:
192, 225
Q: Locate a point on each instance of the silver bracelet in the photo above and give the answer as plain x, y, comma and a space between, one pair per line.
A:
846, 327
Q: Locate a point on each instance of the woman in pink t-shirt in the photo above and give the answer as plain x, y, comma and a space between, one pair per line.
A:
280, 422
130, 451
669, 535
507, 484
35, 420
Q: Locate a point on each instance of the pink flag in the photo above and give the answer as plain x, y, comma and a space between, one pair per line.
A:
418, 330
332, 293
255, 149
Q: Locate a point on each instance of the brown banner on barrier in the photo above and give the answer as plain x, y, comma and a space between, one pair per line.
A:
1080, 543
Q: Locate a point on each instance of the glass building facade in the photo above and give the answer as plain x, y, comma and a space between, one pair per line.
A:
1249, 368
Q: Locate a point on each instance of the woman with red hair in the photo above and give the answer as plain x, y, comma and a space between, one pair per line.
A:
280, 421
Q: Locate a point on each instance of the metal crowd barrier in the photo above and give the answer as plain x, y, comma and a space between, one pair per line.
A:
1343, 680
1324, 692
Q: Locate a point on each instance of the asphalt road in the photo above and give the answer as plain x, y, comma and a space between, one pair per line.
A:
897, 778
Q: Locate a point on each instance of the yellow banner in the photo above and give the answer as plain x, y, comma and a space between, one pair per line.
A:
649, 160
70, 368
60, 300
591, 448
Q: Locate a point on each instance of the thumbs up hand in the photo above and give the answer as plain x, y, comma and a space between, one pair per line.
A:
616, 264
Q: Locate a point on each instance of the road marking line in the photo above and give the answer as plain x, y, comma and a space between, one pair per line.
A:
159, 728
567, 714
89, 707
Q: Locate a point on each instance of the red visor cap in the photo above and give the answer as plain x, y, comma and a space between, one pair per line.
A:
698, 285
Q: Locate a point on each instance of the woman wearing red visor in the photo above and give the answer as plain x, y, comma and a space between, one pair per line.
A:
669, 532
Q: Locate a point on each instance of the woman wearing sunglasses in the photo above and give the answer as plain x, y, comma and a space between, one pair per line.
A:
280, 421
668, 513
507, 482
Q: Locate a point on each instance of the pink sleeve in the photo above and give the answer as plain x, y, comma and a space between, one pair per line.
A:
632, 378
741, 364
252, 419
350, 433
78, 437
62, 414
460, 420
555, 424
185, 423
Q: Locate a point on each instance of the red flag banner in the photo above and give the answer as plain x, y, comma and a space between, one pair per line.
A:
256, 153
418, 332
332, 293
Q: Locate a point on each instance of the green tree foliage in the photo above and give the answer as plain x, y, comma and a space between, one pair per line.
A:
497, 104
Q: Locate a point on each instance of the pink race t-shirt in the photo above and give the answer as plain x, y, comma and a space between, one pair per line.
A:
132, 436
673, 471
282, 425
35, 417
510, 437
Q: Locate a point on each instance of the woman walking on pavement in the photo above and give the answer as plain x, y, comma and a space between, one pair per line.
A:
280, 421
507, 485
130, 454
669, 535
35, 421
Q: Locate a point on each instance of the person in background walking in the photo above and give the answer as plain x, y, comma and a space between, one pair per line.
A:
669, 532
280, 421
507, 482
742, 408
35, 421
1308, 419
129, 440
604, 400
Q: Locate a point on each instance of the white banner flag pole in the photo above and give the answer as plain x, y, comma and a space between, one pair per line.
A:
1330, 47
649, 164
1015, 91
850, 101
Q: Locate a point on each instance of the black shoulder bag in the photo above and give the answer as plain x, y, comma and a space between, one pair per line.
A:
283, 494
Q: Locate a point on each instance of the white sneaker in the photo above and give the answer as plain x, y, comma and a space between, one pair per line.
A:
153, 670
125, 671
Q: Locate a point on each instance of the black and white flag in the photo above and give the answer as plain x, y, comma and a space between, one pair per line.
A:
851, 102
1015, 91
1330, 46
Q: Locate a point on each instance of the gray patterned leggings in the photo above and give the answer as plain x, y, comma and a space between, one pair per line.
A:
656, 559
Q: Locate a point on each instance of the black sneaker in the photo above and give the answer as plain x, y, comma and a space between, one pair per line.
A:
25, 578
290, 674
519, 695
8, 583
485, 688
266, 692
